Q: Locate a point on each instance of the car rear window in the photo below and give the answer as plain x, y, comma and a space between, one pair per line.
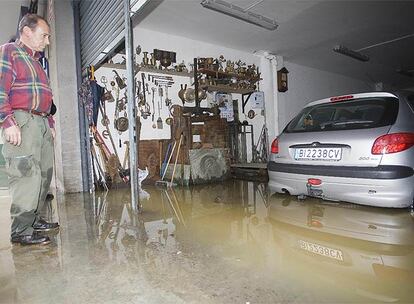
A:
362, 113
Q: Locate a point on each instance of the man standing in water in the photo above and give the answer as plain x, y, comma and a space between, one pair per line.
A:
28, 129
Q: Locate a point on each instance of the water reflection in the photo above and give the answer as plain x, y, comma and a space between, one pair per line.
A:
221, 243
369, 250
328, 251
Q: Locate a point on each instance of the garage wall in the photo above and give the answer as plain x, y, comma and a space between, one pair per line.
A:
186, 50
308, 84
305, 84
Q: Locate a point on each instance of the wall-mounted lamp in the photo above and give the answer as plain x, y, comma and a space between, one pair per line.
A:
240, 13
350, 53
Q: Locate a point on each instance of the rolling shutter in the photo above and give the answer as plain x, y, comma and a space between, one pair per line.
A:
101, 28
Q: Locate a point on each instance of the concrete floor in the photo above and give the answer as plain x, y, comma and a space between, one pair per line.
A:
227, 243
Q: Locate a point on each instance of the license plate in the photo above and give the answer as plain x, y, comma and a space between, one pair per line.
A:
318, 153
315, 192
328, 252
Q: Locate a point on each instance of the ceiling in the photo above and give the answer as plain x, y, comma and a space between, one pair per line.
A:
307, 33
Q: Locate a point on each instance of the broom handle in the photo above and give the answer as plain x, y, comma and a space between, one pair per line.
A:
176, 158
169, 159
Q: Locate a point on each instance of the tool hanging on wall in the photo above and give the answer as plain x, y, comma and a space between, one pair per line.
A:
126, 156
159, 120
153, 78
167, 100
119, 80
108, 134
107, 95
181, 92
105, 120
122, 124
144, 106
154, 126
163, 83
116, 110
169, 119
119, 122
139, 97
141, 104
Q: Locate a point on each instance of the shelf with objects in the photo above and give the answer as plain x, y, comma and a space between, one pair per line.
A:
139, 68
225, 78
184, 138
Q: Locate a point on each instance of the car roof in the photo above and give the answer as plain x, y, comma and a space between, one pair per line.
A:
351, 96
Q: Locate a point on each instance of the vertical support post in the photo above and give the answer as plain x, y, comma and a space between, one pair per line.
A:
133, 155
85, 150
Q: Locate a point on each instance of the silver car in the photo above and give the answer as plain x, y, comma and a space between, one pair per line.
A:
355, 148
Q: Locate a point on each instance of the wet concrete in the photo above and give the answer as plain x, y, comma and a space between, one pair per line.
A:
227, 243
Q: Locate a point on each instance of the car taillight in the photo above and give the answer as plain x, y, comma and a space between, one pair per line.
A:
275, 146
314, 181
392, 143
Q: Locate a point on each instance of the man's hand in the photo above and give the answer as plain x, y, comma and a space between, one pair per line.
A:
13, 135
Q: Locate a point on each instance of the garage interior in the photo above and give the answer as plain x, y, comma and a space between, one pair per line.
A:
198, 224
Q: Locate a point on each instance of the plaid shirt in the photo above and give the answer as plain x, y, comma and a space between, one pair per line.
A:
24, 84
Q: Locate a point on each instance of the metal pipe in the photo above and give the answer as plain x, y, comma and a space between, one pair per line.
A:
133, 155
385, 42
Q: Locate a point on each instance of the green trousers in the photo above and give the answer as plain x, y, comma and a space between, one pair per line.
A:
29, 168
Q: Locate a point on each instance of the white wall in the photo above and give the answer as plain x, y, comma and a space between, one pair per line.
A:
308, 84
186, 50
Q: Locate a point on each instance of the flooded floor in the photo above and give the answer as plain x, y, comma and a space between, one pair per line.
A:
226, 243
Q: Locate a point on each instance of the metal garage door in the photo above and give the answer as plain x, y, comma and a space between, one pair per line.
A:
101, 28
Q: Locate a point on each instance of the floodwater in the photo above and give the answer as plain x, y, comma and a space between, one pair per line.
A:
221, 243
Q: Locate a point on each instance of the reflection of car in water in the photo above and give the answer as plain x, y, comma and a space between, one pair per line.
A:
370, 249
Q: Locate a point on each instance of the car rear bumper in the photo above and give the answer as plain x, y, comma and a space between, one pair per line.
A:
381, 192
380, 172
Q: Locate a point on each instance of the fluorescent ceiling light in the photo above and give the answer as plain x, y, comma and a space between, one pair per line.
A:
350, 53
240, 13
